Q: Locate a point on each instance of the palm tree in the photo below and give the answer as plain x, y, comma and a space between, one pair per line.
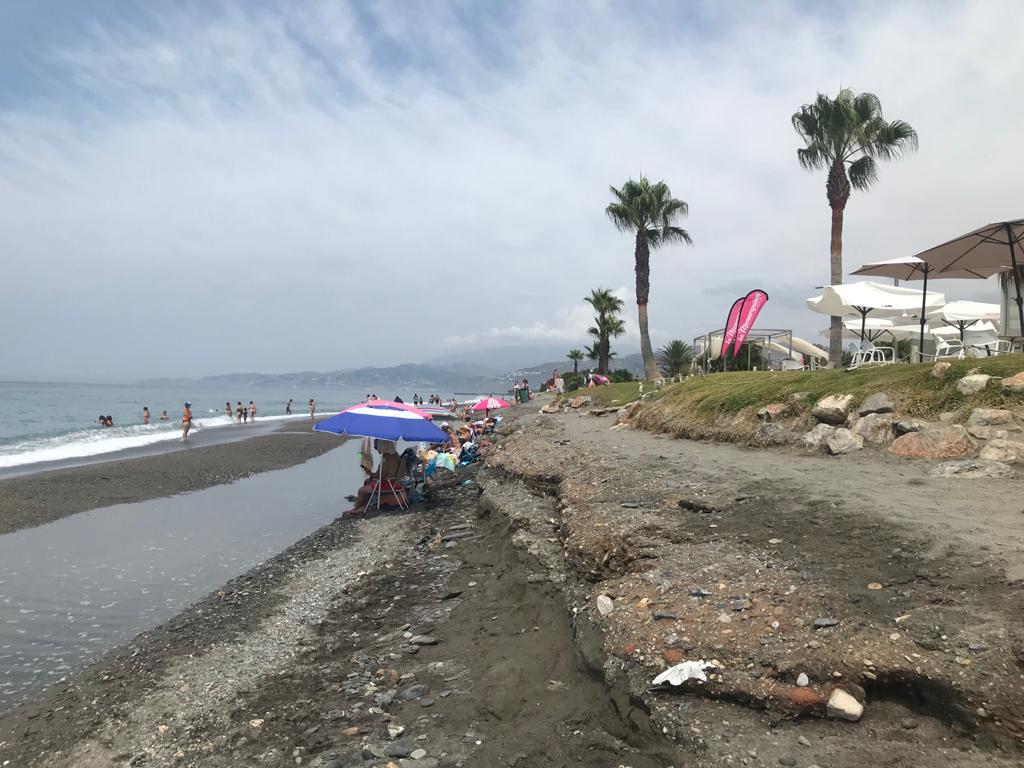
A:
575, 355
649, 212
846, 135
607, 324
675, 357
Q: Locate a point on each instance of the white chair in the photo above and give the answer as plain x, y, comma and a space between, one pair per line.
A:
946, 349
793, 365
873, 356
991, 348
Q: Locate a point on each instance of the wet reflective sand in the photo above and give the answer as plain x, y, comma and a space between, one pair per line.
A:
74, 588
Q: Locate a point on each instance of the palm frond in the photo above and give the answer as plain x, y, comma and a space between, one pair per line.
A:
863, 172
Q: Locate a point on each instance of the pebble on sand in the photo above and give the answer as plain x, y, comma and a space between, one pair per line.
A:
605, 605
842, 706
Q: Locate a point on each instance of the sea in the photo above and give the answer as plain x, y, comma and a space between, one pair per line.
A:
45, 422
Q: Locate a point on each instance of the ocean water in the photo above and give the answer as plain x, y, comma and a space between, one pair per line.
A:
41, 422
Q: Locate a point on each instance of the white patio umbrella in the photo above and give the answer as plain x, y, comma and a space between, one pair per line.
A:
916, 268
886, 301
969, 314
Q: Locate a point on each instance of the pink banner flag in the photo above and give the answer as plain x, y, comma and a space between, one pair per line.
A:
751, 308
731, 324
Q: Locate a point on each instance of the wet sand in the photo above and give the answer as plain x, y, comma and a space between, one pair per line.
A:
36, 499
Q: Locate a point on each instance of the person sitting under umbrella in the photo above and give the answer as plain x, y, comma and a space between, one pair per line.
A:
380, 481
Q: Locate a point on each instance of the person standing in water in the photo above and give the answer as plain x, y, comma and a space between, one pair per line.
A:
252, 412
164, 416
245, 414
145, 414
186, 419
312, 408
238, 413
227, 410
288, 408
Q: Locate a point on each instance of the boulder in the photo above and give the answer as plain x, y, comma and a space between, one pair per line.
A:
772, 434
773, 412
903, 426
818, 437
875, 428
552, 407
972, 384
842, 441
1014, 383
940, 369
579, 401
832, 409
842, 706
1007, 451
987, 433
877, 403
798, 402
948, 442
989, 417
972, 468
948, 417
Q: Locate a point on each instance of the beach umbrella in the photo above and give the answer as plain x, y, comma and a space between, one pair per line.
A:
967, 314
384, 420
433, 410
490, 404
860, 299
917, 268
998, 247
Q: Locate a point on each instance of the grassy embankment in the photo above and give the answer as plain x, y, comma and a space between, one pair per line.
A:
724, 405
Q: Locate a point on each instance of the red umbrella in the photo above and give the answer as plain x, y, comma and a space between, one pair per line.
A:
490, 404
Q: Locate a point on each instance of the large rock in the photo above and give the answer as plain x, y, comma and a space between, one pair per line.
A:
818, 437
832, 409
579, 401
877, 403
972, 469
842, 441
773, 411
1007, 451
903, 426
1014, 383
989, 417
949, 442
552, 407
875, 428
940, 369
772, 434
798, 401
972, 384
987, 433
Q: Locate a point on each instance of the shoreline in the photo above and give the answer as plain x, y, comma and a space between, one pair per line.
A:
40, 497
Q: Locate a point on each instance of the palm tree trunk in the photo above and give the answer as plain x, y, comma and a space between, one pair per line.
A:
643, 289
835, 336
602, 362
575, 366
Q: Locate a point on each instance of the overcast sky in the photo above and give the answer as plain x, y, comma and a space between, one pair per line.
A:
201, 188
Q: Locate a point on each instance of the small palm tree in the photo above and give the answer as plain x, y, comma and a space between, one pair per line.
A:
649, 212
607, 323
575, 355
845, 136
675, 357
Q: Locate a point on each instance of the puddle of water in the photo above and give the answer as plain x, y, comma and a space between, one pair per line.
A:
79, 586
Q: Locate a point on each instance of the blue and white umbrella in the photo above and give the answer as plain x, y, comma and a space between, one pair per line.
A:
387, 421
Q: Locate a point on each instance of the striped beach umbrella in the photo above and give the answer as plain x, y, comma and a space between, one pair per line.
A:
385, 420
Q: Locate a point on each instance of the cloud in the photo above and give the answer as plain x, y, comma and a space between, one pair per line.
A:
202, 190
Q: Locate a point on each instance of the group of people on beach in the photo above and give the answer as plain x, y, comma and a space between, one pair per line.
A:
242, 414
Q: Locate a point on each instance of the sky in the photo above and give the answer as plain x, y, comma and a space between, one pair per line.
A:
200, 188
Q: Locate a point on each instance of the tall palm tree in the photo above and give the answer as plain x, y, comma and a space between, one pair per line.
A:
649, 212
575, 355
607, 323
675, 357
846, 136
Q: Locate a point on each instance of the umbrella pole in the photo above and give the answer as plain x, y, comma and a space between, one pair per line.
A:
1016, 278
924, 304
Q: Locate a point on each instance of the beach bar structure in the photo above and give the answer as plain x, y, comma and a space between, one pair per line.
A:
708, 347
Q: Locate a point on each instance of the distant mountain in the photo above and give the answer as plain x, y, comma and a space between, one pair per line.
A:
542, 371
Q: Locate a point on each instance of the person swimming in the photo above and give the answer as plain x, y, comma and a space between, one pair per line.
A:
164, 416
145, 414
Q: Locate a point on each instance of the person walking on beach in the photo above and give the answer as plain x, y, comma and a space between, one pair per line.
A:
145, 414
288, 408
312, 408
252, 412
186, 419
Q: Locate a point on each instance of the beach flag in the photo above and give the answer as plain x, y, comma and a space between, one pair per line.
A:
751, 307
731, 324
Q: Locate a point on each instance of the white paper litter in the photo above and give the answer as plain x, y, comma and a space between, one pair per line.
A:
680, 673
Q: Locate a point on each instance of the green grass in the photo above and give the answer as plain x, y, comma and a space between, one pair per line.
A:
724, 405
611, 395
915, 390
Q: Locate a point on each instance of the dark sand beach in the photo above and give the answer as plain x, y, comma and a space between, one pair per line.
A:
38, 498
466, 632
